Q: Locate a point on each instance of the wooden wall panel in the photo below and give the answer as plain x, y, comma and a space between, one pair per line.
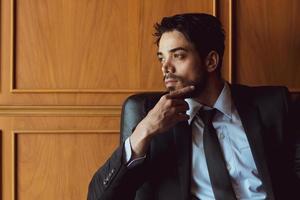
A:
74, 44
267, 43
68, 148
58, 165
224, 13
1, 164
78, 45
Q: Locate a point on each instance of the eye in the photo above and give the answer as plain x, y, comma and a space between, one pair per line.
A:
179, 56
161, 59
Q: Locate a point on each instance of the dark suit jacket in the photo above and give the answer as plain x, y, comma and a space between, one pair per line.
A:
166, 172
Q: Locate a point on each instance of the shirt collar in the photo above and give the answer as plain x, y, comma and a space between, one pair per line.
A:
223, 104
224, 101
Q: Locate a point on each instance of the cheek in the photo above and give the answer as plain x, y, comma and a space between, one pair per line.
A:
193, 73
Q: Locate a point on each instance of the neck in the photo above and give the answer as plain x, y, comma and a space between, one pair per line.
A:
211, 92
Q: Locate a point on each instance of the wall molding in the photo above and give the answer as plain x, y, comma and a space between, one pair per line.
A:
1, 164
230, 42
78, 111
86, 91
15, 134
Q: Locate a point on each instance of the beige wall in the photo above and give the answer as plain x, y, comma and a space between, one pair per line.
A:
67, 66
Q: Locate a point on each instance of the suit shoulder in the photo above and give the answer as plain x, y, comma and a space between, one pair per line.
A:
268, 92
263, 96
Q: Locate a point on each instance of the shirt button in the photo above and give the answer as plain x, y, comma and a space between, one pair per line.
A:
228, 167
221, 136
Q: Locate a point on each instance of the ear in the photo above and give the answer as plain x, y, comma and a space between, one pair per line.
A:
212, 61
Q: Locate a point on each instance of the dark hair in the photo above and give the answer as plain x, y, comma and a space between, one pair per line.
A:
203, 30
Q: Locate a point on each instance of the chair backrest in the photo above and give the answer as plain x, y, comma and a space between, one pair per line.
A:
134, 110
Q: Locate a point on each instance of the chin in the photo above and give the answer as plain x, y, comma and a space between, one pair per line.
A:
175, 87
171, 89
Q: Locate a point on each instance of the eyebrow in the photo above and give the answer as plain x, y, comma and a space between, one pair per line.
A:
173, 50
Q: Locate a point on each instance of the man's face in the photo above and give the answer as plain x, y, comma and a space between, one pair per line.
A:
181, 63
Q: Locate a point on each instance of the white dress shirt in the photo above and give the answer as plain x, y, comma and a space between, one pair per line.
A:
238, 156
233, 140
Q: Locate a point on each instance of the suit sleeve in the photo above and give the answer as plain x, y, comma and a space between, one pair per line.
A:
297, 157
294, 140
295, 128
114, 180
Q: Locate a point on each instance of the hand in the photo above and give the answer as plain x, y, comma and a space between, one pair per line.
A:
169, 110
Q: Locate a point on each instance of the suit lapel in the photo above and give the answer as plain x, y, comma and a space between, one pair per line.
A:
183, 139
250, 118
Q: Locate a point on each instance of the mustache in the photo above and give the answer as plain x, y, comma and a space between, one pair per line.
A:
172, 76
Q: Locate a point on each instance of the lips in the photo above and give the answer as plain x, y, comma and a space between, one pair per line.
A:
170, 81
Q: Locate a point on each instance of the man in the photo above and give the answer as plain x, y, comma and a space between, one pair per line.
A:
205, 138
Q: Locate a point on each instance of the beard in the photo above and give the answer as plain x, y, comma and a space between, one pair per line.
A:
200, 83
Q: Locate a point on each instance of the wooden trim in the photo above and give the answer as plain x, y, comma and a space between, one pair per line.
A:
294, 90
100, 91
14, 147
12, 44
107, 111
214, 2
13, 171
1, 164
230, 43
75, 131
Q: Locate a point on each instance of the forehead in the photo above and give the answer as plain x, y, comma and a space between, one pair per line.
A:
171, 40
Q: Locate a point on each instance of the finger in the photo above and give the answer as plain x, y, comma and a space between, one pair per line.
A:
178, 102
176, 111
181, 93
182, 117
181, 109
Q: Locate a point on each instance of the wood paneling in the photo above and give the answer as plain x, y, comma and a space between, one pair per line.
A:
108, 111
75, 44
58, 165
79, 45
67, 66
26, 139
1, 164
224, 13
268, 43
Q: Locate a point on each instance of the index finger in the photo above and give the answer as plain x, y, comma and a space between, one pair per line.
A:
182, 93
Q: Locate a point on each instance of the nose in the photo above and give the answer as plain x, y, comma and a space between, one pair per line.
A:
168, 66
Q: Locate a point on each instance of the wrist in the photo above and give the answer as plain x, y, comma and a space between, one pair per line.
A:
140, 140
